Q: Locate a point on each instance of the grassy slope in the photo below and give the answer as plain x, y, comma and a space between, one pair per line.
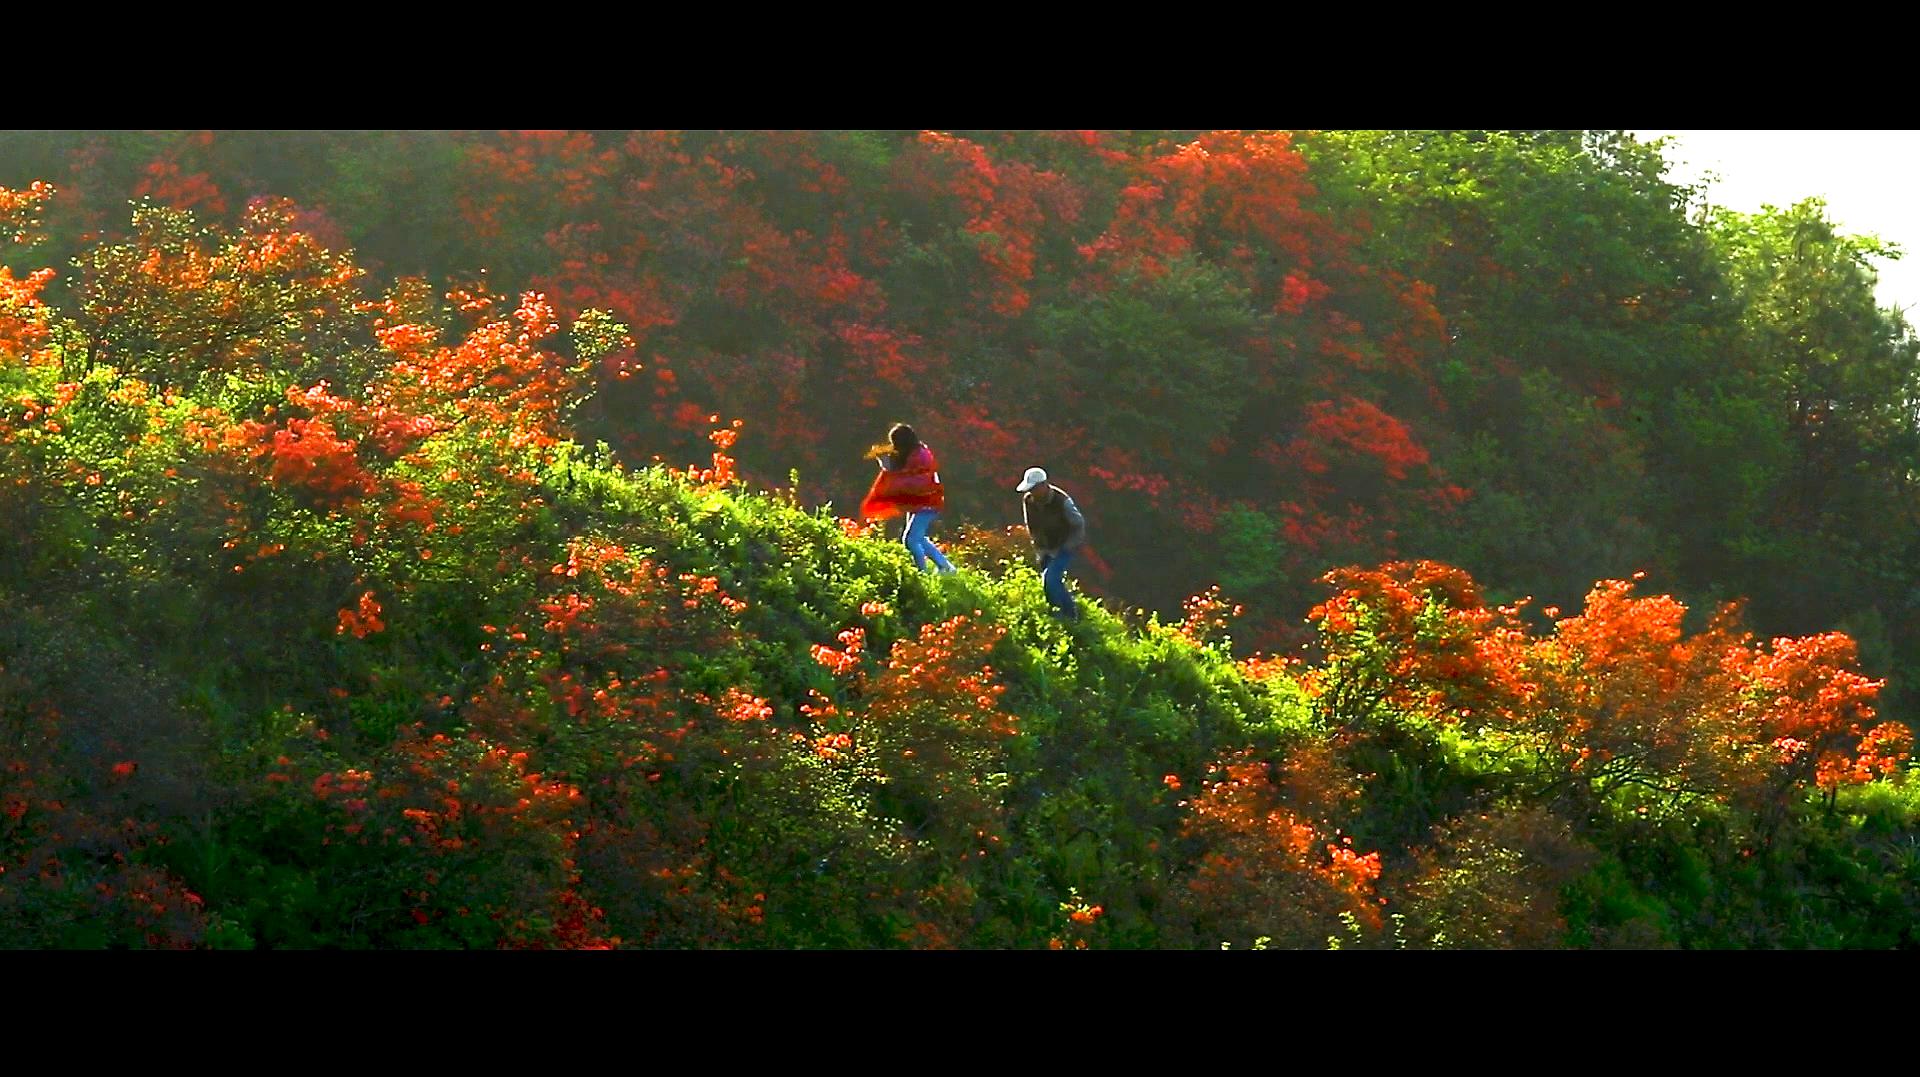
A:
1107, 707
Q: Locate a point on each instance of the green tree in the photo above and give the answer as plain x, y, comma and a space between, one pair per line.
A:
1839, 377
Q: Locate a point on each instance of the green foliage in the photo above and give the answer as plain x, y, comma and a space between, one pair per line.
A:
1559, 493
1166, 353
1251, 556
596, 334
1843, 377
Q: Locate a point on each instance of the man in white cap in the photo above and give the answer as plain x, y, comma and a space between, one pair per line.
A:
1057, 529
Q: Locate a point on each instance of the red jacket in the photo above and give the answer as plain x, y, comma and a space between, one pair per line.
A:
909, 488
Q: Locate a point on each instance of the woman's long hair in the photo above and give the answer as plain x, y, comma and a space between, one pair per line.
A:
900, 443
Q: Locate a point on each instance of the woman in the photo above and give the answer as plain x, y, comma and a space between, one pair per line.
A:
909, 482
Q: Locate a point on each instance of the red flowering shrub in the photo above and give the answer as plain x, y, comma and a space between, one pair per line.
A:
444, 839
78, 833
929, 729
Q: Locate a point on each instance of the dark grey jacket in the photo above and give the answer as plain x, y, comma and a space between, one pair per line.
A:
1056, 525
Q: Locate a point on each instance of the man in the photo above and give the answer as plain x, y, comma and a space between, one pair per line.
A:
1057, 529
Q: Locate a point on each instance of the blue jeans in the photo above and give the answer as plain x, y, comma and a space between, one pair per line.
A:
919, 544
1053, 579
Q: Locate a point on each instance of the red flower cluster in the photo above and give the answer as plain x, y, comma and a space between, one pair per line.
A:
363, 619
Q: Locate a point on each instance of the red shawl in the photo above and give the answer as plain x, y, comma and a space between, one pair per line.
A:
914, 486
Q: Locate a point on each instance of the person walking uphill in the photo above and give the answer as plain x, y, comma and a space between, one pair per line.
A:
909, 482
1057, 529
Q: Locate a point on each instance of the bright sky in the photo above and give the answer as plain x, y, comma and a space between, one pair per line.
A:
1866, 177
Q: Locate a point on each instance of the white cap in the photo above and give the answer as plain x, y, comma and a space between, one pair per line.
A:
1035, 477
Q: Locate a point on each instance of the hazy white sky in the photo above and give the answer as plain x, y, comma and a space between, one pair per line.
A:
1868, 178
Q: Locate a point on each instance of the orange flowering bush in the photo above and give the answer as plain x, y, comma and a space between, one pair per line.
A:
1264, 872
20, 210
1617, 697
1415, 635
1207, 616
24, 319
1810, 712
1081, 920
178, 301
500, 376
989, 549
